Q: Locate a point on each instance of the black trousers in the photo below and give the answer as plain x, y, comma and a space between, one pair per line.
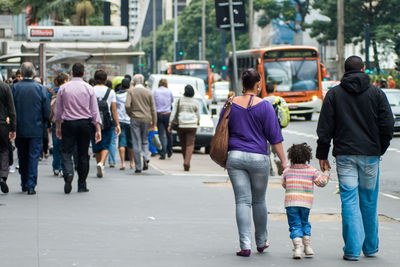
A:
165, 136
4, 160
76, 134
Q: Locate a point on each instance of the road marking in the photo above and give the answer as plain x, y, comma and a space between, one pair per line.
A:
312, 136
389, 195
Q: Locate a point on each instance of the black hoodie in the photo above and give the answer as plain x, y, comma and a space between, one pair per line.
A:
357, 116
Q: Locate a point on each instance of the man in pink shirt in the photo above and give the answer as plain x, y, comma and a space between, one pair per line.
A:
76, 113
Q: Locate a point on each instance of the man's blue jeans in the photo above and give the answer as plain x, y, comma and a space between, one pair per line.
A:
299, 225
249, 176
359, 187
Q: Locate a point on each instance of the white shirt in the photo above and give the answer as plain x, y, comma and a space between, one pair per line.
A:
101, 90
121, 100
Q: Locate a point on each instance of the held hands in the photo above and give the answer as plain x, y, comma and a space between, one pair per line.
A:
11, 135
152, 128
324, 165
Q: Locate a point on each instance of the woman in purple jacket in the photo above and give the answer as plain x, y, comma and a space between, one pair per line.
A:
252, 125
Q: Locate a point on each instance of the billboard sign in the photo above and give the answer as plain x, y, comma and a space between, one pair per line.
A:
77, 33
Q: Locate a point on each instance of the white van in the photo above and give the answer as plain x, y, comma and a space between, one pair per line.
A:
177, 83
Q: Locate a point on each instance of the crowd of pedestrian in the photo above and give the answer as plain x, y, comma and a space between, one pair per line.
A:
79, 114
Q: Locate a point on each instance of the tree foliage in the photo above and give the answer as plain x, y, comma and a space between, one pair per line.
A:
287, 11
189, 31
62, 11
378, 15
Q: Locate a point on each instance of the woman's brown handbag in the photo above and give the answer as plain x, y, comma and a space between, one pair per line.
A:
175, 122
219, 143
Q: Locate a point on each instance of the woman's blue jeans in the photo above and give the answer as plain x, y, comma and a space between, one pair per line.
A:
113, 147
249, 176
359, 188
56, 149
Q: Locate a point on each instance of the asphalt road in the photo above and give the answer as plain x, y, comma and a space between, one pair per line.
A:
305, 131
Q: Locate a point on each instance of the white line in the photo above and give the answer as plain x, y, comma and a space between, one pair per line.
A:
389, 195
199, 174
316, 137
312, 136
154, 167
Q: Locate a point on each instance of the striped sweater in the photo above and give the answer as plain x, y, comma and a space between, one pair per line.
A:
298, 180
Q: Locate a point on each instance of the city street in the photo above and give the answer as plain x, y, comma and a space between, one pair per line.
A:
167, 217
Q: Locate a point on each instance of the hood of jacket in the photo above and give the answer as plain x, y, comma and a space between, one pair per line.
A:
355, 82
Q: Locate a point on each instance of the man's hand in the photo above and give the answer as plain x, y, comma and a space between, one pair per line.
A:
97, 136
152, 128
169, 129
58, 132
11, 136
324, 165
118, 130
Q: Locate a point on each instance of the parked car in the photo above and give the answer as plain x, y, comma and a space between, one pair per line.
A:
177, 84
393, 96
326, 85
220, 91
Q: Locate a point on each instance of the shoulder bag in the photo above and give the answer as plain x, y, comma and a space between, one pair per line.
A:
219, 143
175, 121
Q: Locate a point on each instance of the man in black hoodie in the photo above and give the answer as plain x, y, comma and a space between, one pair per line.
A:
357, 116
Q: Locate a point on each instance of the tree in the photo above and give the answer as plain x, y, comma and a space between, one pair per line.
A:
61, 11
390, 35
189, 32
358, 15
286, 11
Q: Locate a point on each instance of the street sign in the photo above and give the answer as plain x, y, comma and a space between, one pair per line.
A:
222, 14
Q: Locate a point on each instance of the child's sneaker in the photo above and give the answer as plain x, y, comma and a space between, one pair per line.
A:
307, 246
297, 248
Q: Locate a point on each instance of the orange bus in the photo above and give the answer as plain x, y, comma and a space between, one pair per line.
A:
295, 70
195, 68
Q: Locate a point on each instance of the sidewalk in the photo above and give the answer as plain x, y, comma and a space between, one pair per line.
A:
159, 219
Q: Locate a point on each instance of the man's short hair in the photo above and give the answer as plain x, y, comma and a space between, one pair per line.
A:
125, 84
353, 63
61, 78
78, 70
100, 77
27, 70
138, 79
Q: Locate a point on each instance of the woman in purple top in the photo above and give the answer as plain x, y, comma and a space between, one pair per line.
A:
252, 125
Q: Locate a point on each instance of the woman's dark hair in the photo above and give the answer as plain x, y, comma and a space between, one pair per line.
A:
100, 76
108, 84
269, 87
126, 83
78, 70
299, 153
92, 82
189, 91
249, 78
61, 78
127, 76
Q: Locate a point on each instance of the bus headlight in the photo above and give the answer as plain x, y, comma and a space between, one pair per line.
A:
208, 130
314, 97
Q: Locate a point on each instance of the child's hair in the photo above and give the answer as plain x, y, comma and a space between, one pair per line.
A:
300, 153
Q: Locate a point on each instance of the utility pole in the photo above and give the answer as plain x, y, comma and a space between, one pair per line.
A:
235, 72
154, 38
340, 39
251, 21
203, 30
175, 27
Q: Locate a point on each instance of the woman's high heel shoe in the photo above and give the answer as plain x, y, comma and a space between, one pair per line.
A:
244, 253
261, 249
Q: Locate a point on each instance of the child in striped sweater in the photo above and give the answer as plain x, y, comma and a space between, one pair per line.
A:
299, 180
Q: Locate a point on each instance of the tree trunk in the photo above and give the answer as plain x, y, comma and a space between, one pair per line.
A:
376, 59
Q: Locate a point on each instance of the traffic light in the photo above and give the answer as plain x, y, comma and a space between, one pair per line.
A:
367, 71
224, 67
179, 50
213, 66
397, 67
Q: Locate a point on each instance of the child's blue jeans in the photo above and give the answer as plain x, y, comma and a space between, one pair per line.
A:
299, 225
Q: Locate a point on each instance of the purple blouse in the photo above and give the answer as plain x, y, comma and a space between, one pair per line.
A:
251, 128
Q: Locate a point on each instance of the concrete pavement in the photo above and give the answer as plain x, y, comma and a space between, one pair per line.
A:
164, 217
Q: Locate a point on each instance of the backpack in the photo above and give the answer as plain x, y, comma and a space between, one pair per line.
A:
105, 115
282, 112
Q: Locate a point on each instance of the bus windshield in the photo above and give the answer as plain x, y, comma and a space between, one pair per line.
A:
292, 75
199, 73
